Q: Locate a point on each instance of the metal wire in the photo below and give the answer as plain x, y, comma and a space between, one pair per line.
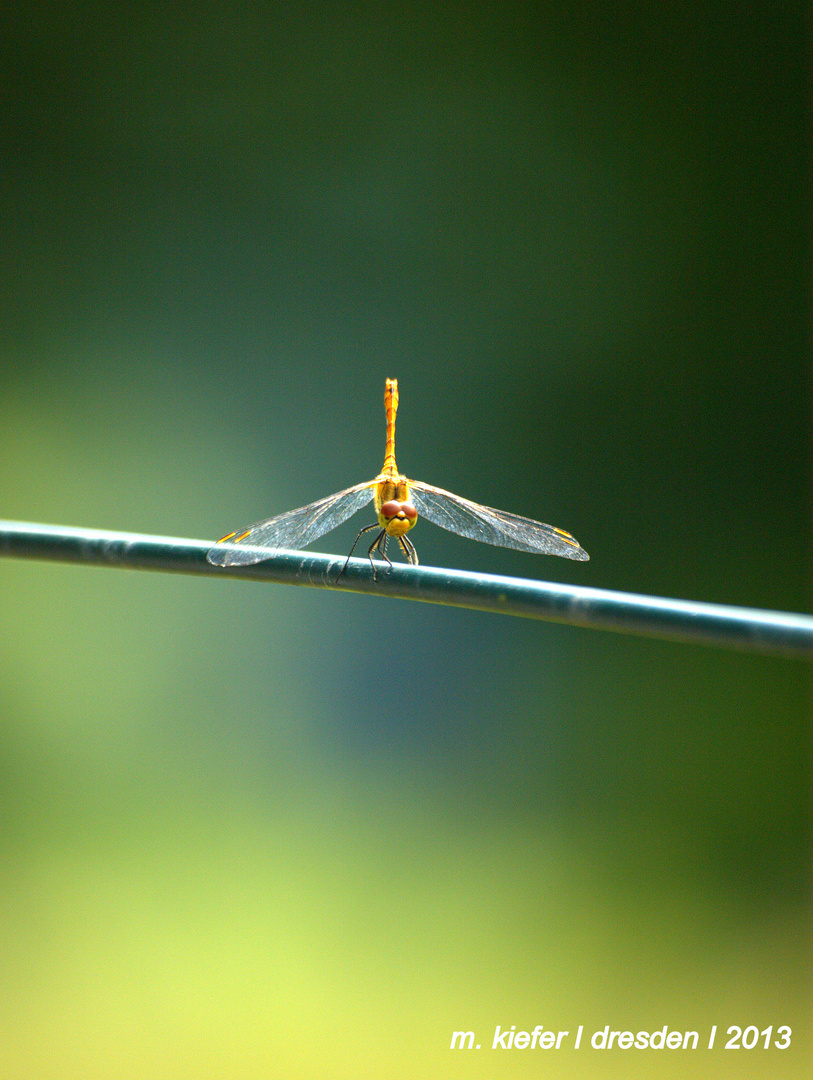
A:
681, 620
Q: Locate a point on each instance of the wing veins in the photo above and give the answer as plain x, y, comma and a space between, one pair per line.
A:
293, 529
491, 526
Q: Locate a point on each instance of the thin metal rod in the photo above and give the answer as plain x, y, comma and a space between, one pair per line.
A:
680, 620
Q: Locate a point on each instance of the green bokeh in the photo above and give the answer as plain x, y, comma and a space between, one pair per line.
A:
251, 831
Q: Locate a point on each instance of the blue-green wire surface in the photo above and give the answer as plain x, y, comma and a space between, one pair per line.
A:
681, 620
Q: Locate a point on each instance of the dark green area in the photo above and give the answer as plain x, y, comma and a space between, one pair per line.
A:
579, 237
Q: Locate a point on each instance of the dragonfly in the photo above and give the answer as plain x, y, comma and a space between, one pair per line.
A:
398, 501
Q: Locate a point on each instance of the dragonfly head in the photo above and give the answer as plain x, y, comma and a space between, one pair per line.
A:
397, 518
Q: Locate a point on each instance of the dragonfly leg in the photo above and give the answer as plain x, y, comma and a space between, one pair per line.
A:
353, 548
408, 549
379, 545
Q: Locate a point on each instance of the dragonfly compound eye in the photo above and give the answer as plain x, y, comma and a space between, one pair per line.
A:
397, 518
391, 509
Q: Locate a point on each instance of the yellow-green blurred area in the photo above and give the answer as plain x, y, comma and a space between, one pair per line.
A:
252, 831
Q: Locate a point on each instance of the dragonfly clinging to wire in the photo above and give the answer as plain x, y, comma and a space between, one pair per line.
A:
397, 503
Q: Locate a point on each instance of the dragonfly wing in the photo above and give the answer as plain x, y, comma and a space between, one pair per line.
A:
491, 526
293, 529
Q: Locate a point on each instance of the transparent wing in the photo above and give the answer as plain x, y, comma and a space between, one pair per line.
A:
293, 529
491, 526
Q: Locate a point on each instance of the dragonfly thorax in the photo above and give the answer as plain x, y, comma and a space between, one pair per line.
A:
396, 514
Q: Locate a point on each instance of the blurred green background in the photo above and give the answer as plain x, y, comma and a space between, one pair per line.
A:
255, 831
